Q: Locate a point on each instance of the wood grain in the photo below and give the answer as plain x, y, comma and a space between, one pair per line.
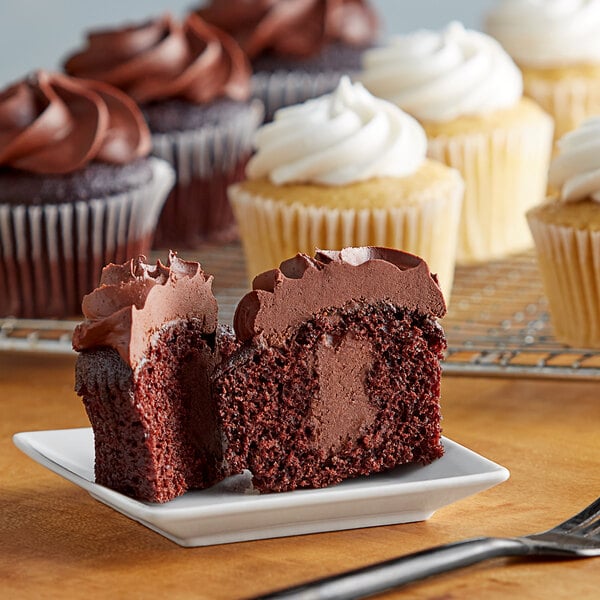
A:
58, 542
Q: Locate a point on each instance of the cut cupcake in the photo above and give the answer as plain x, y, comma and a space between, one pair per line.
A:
332, 372
467, 93
337, 370
146, 352
77, 190
566, 230
298, 49
346, 169
557, 47
192, 82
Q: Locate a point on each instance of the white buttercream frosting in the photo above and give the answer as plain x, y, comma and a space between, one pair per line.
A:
442, 75
548, 33
576, 169
337, 139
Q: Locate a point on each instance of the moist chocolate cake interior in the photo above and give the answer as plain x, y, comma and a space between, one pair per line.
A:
348, 392
155, 432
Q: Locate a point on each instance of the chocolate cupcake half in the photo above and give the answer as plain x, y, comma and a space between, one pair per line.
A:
146, 349
77, 190
337, 370
192, 82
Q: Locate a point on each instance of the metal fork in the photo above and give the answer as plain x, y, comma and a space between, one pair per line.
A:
578, 536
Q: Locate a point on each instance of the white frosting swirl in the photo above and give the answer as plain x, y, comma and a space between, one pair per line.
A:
340, 138
439, 76
548, 33
576, 169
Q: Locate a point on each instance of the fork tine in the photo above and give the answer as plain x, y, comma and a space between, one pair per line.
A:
591, 530
581, 520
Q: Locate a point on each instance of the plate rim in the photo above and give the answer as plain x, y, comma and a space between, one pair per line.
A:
160, 517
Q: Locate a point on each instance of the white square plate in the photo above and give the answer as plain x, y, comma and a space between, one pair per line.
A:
231, 512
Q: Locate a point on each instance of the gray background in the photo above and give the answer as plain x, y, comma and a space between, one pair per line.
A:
38, 33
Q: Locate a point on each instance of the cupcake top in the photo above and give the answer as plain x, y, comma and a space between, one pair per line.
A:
297, 28
340, 138
302, 286
163, 59
575, 172
135, 299
548, 33
443, 75
54, 124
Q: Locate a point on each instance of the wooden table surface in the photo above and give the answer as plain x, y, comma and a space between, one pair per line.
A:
56, 541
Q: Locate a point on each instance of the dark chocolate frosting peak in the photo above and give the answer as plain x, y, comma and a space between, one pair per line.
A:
135, 299
54, 124
283, 298
297, 28
163, 59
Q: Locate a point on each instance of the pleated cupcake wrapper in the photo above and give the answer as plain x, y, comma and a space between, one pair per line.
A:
569, 101
206, 161
272, 231
198, 153
51, 255
569, 261
283, 88
505, 173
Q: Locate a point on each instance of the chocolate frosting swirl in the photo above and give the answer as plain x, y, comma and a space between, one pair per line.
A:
135, 299
54, 124
163, 59
283, 298
297, 28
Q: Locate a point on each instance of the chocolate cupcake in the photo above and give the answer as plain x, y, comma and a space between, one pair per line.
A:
332, 372
146, 349
192, 82
337, 372
298, 49
77, 190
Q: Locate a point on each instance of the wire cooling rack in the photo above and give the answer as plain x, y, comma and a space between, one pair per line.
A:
497, 324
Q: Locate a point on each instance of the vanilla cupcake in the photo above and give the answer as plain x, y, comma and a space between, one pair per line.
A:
557, 46
346, 169
566, 230
467, 93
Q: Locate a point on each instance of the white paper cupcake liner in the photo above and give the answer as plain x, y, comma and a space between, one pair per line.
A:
51, 255
285, 88
568, 101
272, 231
206, 161
569, 262
505, 172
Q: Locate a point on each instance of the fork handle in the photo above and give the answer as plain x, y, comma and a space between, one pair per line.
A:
379, 577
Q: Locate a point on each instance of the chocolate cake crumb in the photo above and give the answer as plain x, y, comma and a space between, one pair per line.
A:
155, 431
272, 398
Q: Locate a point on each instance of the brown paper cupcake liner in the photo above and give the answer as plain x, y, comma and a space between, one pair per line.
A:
51, 255
272, 231
505, 173
569, 261
206, 161
284, 88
